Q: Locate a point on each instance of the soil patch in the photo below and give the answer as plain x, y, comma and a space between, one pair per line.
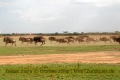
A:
90, 57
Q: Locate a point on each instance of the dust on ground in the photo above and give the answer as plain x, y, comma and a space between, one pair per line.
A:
90, 57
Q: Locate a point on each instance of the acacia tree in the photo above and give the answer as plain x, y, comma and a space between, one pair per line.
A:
117, 32
65, 32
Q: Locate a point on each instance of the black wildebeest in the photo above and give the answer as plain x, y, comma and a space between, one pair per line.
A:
39, 39
9, 40
23, 39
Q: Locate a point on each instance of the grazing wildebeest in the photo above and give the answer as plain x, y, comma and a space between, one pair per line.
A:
9, 40
52, 39
39, 39
23, 39
105, 39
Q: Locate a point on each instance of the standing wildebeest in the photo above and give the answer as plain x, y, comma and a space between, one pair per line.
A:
23, 39
105, 39
39, 39
9, 40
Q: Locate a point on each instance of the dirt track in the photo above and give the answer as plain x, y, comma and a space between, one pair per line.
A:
96, 57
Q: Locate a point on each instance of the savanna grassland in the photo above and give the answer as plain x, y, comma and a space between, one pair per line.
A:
72, 61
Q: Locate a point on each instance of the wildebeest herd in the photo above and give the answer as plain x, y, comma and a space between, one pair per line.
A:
68, 40
24, 39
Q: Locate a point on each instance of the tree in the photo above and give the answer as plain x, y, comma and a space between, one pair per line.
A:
56, 33
75, 33
65, 32
82, 33
117, 32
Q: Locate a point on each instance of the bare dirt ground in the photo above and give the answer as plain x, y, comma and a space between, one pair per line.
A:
90, 57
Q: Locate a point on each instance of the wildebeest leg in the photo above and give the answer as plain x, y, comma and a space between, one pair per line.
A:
94, 42
15, 44
69, 43
44, 42
6, 44
11, 45
87, 41
73, 42
31, 42
82, 43
35, 43
56, 41
110, 41
21, 43
105, 42
27, 43
59, 42
41, 44
79, 42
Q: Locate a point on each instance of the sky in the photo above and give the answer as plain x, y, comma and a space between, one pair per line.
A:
50, 16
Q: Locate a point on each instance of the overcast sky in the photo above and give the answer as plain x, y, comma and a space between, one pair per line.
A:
49, 16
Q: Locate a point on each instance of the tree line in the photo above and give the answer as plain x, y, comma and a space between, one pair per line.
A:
64, 33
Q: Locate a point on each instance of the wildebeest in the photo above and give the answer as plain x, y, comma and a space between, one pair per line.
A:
83, 36
105, 39
113, 38
117, 39
81, 39
70, 39
89, 39
52, 39
63, 40
23, 39
39, 39
58, 40
9, 40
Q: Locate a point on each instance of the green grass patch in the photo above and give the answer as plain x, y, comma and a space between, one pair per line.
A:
56, 49
63, 71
